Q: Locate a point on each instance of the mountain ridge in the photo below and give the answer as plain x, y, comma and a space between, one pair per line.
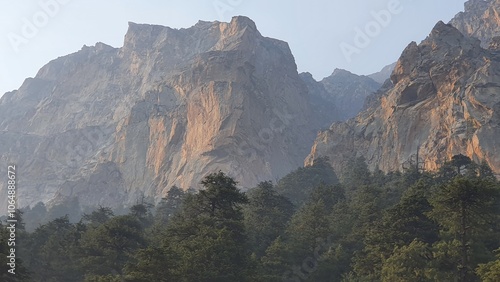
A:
439, 101
112, 125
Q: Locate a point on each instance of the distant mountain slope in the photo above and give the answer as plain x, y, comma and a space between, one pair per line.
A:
110, 125
384, 74
445, 100
350, 91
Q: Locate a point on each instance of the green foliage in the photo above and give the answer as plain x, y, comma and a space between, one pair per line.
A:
490, 272
70, 208
356, 174
409, 263
20, 271
53, 251
410, 226
35, 216
398, 227
153, 264
169, 205
266, 216
97, 217
275, 263
108, 247
209, 233
466, 209
298, 184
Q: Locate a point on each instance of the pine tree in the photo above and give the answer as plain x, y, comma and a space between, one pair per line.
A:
266, 216
466, 209
209, 233
53, 251
297, 185
169, 205
490, 272
107, 248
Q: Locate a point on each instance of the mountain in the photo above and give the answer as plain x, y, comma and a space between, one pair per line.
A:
111, 125
384, 74
443, 99
339, 96
323, 102
342, 89
349, 91
480, 19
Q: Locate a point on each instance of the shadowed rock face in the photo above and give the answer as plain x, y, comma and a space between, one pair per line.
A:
480, 19
108, 125
349, 91
444, 98
345, 90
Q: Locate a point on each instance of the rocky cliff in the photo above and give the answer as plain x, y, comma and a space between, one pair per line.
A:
480, 19
349, 91
444, 98
345, 90
110, 125
323, 102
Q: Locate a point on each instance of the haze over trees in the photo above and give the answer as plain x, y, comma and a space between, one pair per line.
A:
310, 226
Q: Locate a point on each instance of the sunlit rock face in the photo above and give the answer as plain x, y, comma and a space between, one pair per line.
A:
444, 98
111, 125
480, 19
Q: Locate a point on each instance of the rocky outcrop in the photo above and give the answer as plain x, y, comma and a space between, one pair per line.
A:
480, 19
110, 125
341, 95
349, 91
322, 101
443, 98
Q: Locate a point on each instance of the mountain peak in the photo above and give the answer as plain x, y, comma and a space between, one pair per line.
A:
445, 33
442, 101
181, 103
445, 43
480, 20
344, 72
242, 22
474, 5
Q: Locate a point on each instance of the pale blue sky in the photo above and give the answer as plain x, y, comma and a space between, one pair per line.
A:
315, 30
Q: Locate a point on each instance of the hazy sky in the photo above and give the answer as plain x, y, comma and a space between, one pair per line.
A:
361, 36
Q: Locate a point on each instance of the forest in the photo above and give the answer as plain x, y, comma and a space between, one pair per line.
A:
312, 225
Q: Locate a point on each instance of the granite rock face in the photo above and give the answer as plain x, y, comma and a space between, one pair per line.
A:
110, 125
349, 91
345, 90
443, 97
323, 102
481, 19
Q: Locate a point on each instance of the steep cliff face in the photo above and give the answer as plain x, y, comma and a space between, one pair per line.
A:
444, 99
349, 91
323, 102
342, 94
108, 125
481, 19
